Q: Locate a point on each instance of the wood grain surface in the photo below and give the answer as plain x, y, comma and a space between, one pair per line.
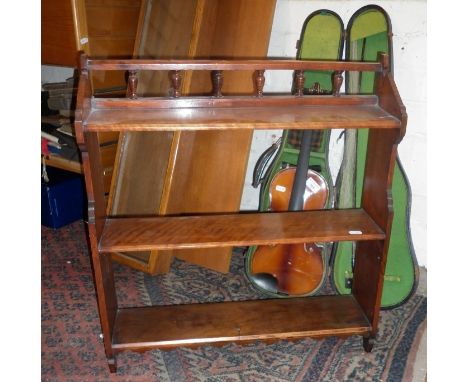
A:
217, 323
139, 234
278, 117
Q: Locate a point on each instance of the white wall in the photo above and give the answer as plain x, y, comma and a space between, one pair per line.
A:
52, 73
408, 19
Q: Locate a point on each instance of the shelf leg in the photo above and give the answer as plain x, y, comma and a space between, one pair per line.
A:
368, 343
101, 263
112, 364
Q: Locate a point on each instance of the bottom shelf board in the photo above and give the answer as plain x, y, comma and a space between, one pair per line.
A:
241, 321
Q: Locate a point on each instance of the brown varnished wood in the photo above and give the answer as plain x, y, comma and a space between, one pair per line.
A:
140, 234
259, 82
238, 118
283, 180
128, 200
83, 100
176, 81
112, 27
102, 266
164, 30
231, 101
132, 84
389, 97
371, 257
130, 191
107, 163
376, 194
299, 80
369, 269
199, 159
93, 174
298, 268
337, 82
244, 64
202, 159
105, 141
58, 46
231, 29
222, 28
217, 79
192, 325
155, 38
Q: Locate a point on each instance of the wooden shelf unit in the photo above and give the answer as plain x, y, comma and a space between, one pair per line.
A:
144, 328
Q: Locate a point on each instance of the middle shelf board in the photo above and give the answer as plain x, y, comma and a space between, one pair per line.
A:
252, 117
204, 231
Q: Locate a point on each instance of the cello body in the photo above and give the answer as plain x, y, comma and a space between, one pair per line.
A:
322, 37
297, 268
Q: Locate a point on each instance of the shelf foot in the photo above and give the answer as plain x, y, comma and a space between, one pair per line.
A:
368, 343
112, 364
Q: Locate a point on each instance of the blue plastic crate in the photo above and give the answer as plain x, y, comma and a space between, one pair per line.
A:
62, 198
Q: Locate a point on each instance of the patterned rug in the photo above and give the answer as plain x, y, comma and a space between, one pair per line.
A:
72, 349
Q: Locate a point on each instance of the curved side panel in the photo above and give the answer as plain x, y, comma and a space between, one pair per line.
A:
369, 32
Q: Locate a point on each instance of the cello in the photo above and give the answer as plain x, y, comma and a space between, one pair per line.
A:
292, 269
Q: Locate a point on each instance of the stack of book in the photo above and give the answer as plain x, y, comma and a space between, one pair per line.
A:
57, 134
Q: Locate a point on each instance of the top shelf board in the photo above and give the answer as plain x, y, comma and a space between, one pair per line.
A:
259, 115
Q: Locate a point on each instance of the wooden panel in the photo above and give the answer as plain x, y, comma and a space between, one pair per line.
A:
140, 234
280, 117
165, 30
113, 18
188, 29
130, 191
236, 29
217, 323
371, 257
207, 156
112, 26
368, 274
58, 44
167, 33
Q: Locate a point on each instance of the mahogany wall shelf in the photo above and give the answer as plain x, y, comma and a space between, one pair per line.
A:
143, 328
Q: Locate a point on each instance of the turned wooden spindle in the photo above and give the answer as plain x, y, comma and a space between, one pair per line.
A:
337, 82
176, 80
316, 89
132, 84
300, 79
259, 82
83, 63
217, 78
